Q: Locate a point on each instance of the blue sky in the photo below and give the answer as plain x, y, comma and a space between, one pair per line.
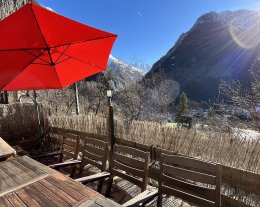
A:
146, 29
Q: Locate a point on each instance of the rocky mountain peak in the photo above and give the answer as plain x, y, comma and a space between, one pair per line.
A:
241, 19
219, 46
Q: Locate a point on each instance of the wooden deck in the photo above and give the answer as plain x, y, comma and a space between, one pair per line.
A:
25, 182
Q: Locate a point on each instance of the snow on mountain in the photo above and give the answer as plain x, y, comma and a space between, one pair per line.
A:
124, 73
124, 66
143, 66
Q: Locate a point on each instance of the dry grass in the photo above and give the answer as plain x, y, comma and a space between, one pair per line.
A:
226, 149
90, 123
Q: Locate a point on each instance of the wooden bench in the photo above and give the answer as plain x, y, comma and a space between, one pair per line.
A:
69, 151
132, 165
94, 153
195, 181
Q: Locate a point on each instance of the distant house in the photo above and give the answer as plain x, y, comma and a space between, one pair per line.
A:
186, 120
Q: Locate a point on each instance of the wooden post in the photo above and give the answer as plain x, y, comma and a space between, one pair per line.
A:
111, 132
218, 186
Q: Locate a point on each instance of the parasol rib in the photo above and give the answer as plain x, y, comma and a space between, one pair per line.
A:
78, 42
20, 72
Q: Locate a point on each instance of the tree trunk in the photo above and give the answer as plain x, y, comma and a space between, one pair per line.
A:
4, 98
15, 97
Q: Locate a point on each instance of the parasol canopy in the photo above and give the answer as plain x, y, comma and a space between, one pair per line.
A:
40, 49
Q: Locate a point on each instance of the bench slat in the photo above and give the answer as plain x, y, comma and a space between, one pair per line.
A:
188, 197
189, 187
130, 151
189, 174
128, 169
204, 166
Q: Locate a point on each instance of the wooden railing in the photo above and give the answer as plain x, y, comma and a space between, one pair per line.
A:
237, 179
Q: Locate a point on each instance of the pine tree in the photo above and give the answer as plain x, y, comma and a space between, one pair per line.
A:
182, 107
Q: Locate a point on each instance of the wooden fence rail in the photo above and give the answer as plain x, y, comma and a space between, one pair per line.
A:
234, 178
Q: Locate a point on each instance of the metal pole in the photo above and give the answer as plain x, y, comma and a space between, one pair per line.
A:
76, 98
38, 117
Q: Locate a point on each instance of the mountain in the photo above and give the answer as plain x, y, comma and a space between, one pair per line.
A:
143, 66
220, 46
123, 73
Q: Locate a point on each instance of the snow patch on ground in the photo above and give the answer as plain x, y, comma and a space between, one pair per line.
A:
247, 134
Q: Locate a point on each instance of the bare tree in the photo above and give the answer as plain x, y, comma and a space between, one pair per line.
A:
148, 99
58, 102
94, 92
245, 101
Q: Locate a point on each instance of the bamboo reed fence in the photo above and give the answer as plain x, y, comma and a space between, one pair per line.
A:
226, 149
18, 123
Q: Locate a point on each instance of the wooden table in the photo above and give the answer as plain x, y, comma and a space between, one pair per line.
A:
6, 151
26, 182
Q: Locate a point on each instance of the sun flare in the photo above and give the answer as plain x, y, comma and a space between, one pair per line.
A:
246, 38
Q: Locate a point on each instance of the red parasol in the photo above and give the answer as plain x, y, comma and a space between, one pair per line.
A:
40, 49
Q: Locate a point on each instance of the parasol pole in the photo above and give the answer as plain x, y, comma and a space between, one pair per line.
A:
76, 98
38, 117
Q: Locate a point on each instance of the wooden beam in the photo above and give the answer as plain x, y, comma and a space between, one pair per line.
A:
244, 180
61, 131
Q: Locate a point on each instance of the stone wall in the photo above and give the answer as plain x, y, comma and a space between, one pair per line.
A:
7, 7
